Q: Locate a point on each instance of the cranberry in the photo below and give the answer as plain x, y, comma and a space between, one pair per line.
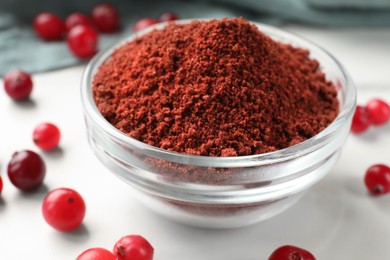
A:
18, 84
96, 253
26, 170
82, 41
377, 179
143, 23
49, 26
378, 111
105, 17
1, 184
289, 252
46, 136
133, 247
168, 17
63, 209
361, 121
77, 19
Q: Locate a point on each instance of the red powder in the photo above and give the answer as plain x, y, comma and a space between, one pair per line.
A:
216, 88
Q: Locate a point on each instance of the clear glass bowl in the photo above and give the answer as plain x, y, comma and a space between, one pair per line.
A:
221, 192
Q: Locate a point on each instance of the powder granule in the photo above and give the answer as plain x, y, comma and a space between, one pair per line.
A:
214, 88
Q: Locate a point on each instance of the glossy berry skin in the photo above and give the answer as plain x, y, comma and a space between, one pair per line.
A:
77, 19
105, 17
46, 136
144, 23
133, 247
377, 179
26, 170
168, 17
289, 252
360, 121
96, 253
82, 41
49, 26
378, 111
63, 209
18, 84
1, 184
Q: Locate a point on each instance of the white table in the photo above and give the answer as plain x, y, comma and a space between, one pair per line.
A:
335, 220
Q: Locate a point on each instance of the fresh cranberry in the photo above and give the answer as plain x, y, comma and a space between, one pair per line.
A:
168, 17
133, 247
378, 111
143, 23
46, 136
82, 41
18, 84
291, 253
26, 170
49, 26
377, 179
1, 184
96, 253
63, 209
105, 17
77, 19
361, 120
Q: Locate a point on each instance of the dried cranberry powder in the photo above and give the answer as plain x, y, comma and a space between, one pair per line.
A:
215, 88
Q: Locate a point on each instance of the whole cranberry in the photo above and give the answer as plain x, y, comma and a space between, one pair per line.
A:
105, 17
63, 209
83, 41
46, 136
377, 179
133, 247
1, 184
49, 26
26, 170
289, 252
96, 253
378, 111
168, 17
144, 23
360, 121
18, 84
77, 19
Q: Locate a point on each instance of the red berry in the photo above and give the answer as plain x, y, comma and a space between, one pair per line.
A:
361, 121
46, 136
105, 17
49, 26
1, 184
26, 170
96, 253
378, 111
77, 19
18, 84
288, 252
133, 247
143, 23
82, 41
63, 209
377, 179
168, 17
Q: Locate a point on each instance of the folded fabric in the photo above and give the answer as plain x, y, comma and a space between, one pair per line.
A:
321, 12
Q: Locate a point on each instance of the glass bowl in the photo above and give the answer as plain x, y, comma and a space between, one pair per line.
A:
221, 192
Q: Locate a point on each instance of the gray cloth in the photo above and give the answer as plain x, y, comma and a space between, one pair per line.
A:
20, 48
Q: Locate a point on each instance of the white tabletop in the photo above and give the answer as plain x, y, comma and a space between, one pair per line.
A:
336, 219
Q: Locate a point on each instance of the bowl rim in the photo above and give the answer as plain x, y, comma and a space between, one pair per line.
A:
319, 140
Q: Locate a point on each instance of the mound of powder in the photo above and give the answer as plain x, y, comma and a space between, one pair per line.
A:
214, 88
